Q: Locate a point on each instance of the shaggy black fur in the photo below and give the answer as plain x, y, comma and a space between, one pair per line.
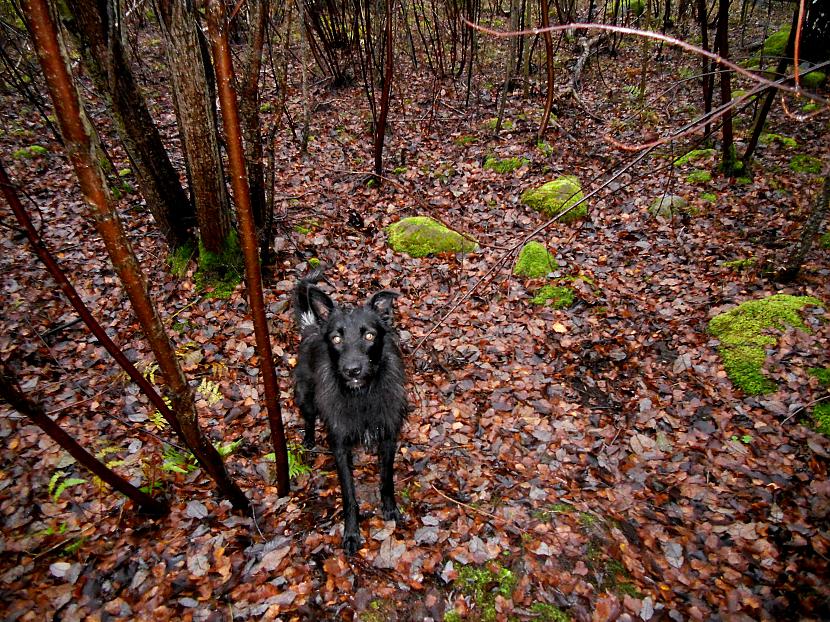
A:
350, 373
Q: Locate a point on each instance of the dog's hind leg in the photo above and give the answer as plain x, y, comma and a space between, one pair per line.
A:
386, 459
351, 530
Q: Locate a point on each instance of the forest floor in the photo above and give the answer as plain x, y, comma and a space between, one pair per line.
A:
591, 462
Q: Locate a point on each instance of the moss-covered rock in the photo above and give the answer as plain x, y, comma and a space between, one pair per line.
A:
776, 44
666, 205
806, 164
743, 337
534, 261
821, 417
504, 166
419, 236
694, 155
556, 197
784, 141
221, 272
699, 177
556, 296
824, 240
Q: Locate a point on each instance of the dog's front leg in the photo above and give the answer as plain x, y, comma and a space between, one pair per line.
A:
386, 457
351, 531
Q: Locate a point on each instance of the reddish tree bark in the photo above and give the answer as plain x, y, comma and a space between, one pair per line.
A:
77, 303
10, 391
77, 134
549, 65
247, 233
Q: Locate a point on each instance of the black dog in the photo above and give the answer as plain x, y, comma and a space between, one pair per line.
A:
350, 373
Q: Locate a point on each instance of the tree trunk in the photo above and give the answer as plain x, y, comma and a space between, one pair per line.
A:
194, 99
78, 137
549, 65
383, 112
247, 234
10, 391
708, 79
811, 229
512, 51
722, 39
251, 127
100, 45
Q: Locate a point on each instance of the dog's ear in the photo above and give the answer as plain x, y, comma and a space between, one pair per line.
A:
313, 306
381, 303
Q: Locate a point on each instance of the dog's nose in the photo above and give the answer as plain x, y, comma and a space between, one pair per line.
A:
353, 371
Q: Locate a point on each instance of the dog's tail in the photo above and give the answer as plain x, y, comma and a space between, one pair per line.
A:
303, 314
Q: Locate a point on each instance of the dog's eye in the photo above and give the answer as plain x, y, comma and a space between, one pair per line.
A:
336, 339
369, 336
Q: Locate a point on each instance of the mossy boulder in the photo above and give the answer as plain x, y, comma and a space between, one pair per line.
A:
534, 261
32, 151
699, 177
776, 44
744, 339
813, 79
667, 205
784, 141
556, 197
694, 155
419, 236
556, 296
482, 585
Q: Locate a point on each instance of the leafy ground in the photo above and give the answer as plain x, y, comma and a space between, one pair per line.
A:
592, 461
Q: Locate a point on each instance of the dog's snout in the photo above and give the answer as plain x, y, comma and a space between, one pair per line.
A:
353, 370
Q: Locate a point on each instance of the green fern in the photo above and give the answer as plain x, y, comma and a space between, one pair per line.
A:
150, 372
157, 419
69, 481
210, 391
228, 448
296, 466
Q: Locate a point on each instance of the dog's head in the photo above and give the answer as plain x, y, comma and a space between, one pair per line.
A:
355, 338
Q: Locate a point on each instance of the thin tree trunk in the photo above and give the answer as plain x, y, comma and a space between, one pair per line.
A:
728, 142
708, 80
193, 94
251, 127
811, 229
78, 133
247, 234
549, 65
513, 46
106, 61
10, 391
383, 112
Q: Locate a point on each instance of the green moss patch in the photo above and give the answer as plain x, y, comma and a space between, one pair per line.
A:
821, 417
220, 273
504, 166
824, 240
709, 197
482, 585
694, 156
463, 141
179, 259
556, 296
534, 261
784, 141
33, 151
805, 164
822, 373
557, 196
506, 124
776, 44
544, 612
739, 265
419, 236
812, 80
743, 337
699, 177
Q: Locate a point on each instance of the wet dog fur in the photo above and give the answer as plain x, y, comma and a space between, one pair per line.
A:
350, 374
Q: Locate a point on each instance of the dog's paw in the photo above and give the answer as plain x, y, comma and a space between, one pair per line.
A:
351, 543
309, 442
392, 513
